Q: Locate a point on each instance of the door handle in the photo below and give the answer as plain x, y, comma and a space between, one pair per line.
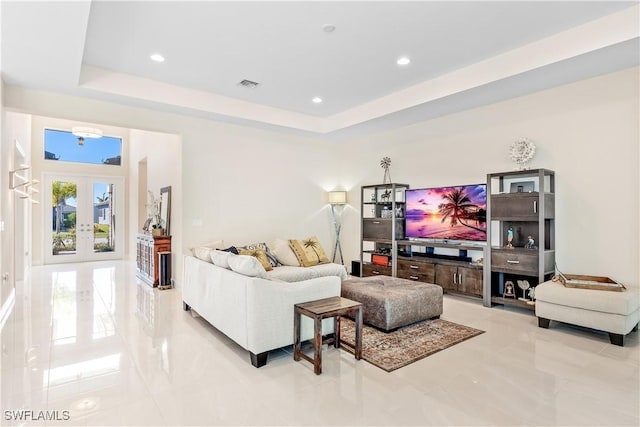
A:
535, 206
413, 277
414, 267
513, 261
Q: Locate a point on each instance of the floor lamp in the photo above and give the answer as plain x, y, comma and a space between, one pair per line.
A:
337, 199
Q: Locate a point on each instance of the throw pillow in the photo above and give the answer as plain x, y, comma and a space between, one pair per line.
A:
272, 259
231, 249
309, 251
260, 255
221, 258
247, 265
203, 252
284, 253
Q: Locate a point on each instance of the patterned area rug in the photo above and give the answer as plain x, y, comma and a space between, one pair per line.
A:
393, 350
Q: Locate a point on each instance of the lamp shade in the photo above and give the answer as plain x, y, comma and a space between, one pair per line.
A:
337, 197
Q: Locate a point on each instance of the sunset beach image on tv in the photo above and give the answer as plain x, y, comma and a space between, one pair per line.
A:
451, 213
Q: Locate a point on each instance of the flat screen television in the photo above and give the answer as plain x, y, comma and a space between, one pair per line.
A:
447, 213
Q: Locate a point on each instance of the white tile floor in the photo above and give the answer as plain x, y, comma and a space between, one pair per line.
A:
91, 340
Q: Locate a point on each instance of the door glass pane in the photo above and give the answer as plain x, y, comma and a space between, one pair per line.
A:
103, 217
64, 216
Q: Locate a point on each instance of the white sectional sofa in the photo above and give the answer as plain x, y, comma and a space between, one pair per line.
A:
257, 313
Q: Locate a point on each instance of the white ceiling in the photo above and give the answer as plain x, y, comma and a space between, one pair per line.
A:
464, 54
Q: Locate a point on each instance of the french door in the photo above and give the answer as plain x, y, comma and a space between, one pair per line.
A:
84, 218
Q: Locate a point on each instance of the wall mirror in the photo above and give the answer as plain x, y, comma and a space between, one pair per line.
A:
165, 209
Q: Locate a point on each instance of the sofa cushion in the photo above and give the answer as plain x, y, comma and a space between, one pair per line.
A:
270, 256
330, 269
287, 273
203, 252
247, 265
283, 252
260, 255
221, 258
308, 251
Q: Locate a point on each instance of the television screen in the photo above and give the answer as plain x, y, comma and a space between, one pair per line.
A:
451, 213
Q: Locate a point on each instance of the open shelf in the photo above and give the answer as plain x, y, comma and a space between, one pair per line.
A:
512, 302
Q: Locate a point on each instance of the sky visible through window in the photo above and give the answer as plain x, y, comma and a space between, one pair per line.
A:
63, 146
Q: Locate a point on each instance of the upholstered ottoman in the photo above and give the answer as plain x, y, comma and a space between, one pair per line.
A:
617, 313
390, 302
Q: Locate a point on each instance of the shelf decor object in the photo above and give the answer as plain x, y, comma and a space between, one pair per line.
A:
385, 163
521, 151
337, 200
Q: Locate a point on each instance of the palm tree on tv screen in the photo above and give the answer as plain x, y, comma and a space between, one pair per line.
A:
457, 208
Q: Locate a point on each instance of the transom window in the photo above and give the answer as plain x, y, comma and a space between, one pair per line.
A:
60, 145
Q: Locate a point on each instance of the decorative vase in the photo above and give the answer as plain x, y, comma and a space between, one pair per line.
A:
157, 232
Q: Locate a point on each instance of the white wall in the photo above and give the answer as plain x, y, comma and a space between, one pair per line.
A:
6, 252
17, 135
588, 132
244, 185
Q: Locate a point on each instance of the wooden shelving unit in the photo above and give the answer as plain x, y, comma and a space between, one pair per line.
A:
383, 210
520, 204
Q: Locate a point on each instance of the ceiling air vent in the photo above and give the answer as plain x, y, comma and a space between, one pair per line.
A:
249, 84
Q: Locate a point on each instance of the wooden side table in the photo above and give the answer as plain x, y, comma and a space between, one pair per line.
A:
325, 309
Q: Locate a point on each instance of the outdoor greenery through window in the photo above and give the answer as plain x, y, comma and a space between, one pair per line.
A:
66, 147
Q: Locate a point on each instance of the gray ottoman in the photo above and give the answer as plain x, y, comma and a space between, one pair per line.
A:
390, 302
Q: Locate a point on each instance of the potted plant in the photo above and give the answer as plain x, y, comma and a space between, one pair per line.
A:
157, 230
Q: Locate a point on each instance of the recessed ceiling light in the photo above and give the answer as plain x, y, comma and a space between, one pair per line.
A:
157, 57
328, 28
316, 100
403, 60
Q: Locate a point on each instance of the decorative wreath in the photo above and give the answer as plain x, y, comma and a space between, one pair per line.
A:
522, 151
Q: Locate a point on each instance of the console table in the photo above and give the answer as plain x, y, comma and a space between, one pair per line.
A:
148, 251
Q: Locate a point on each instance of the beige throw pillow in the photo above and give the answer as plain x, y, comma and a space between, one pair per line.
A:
309, 251
282, 250
260, 255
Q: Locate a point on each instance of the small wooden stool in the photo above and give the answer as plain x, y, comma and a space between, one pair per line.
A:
325, 309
